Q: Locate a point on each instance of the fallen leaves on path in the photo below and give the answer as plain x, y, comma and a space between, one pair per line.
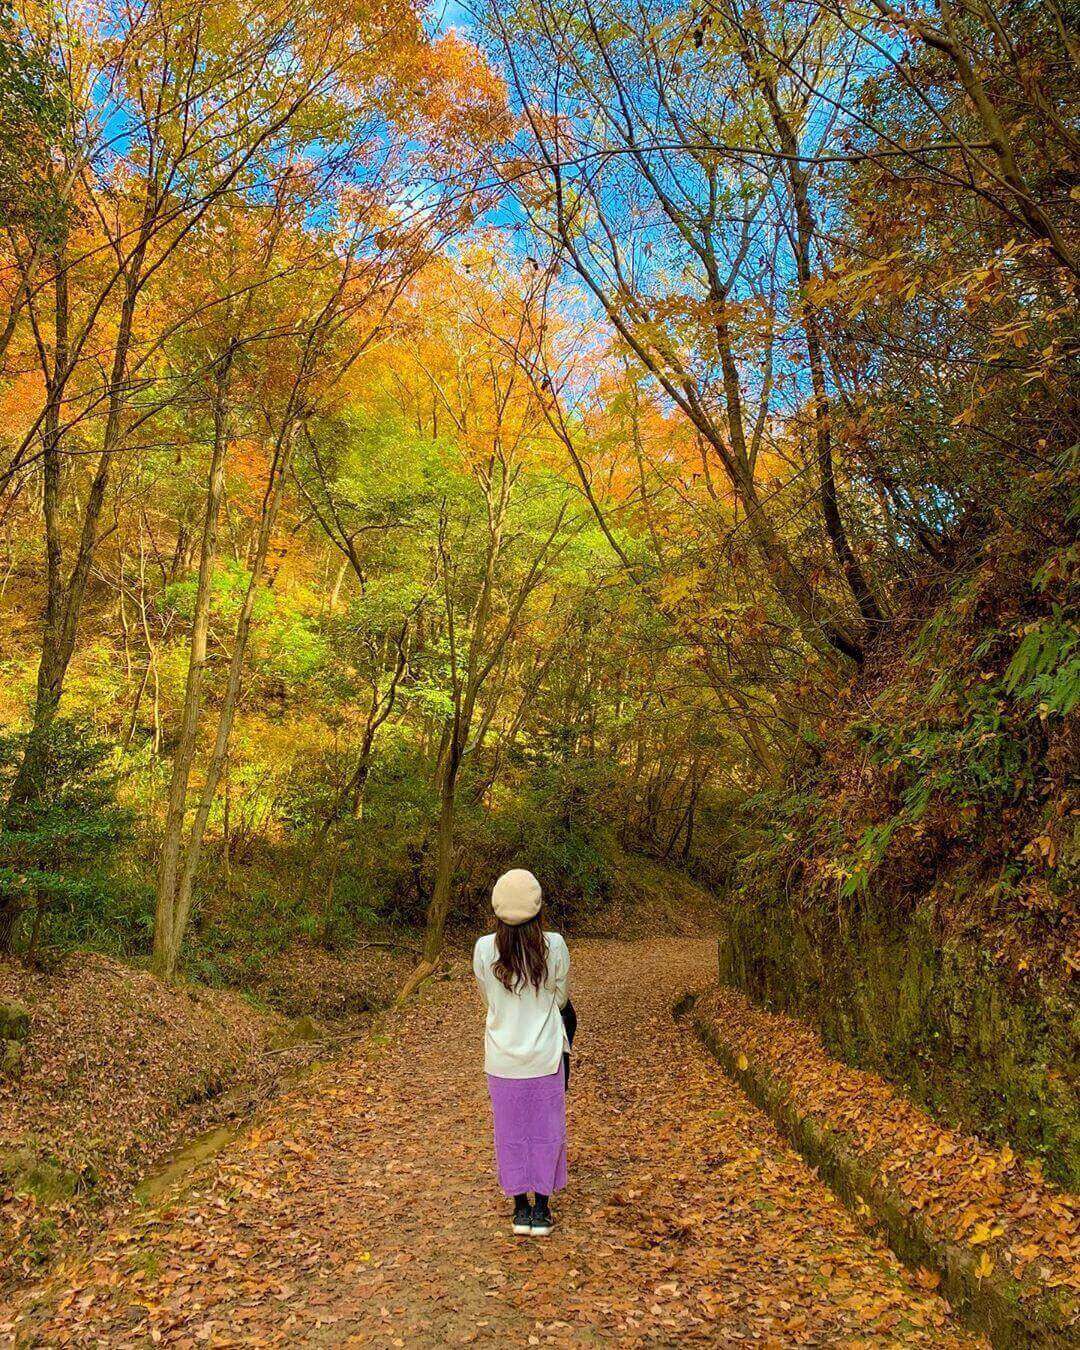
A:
362, 1208
966, 1190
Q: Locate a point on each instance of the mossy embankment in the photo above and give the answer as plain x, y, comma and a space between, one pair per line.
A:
912, 891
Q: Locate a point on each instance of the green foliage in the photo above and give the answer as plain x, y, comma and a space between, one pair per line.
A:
548, 816
554, 824
975, 759
260, 921
58, 844
287, 644
1045, 669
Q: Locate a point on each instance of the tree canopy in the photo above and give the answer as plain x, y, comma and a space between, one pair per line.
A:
421, 443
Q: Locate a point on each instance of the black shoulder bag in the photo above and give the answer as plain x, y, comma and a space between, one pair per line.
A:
569, 1021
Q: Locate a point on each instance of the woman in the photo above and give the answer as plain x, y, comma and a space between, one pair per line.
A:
523, 974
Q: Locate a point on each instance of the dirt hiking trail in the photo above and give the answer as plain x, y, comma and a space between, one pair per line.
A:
362, 1208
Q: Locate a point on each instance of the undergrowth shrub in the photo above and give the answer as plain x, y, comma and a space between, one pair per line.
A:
59, 846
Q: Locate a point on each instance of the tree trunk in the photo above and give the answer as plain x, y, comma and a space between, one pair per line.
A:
183, 880
63, 604
799, 181
801, 598
439, 906
10, 914
819, 629
165, 944
51, 668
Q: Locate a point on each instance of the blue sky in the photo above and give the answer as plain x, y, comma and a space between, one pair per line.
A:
450, 14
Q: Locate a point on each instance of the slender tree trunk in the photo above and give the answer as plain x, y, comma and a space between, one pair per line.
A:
165, 944
63, 605
352, 791
801, 598
133, 719
438, 909
26, 785
688, 841
182, 874
799, 181
439, 906
18, 300
820, 629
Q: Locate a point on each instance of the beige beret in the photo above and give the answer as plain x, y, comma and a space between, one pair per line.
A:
516, 896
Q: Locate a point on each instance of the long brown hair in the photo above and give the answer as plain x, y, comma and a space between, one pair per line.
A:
522, 954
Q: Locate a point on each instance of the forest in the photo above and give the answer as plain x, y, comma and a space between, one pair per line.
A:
632, 439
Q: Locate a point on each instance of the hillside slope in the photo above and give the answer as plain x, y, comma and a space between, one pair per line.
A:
913, 890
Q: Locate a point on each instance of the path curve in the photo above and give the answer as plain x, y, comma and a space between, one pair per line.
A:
362, 1209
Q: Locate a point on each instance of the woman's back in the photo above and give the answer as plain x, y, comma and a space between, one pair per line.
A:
523, 973
524, 1035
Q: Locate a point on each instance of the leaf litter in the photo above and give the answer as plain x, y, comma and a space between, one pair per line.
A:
361, 1208
965, 1189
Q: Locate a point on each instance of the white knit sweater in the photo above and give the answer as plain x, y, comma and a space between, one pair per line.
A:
524, 1037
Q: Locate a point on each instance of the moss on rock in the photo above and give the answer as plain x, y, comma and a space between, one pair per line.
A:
937, 1017
14, 1022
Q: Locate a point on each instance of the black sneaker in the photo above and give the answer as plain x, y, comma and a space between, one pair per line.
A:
522, 1216
542, 1222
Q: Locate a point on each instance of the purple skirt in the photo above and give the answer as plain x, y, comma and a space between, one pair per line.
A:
530, 1132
